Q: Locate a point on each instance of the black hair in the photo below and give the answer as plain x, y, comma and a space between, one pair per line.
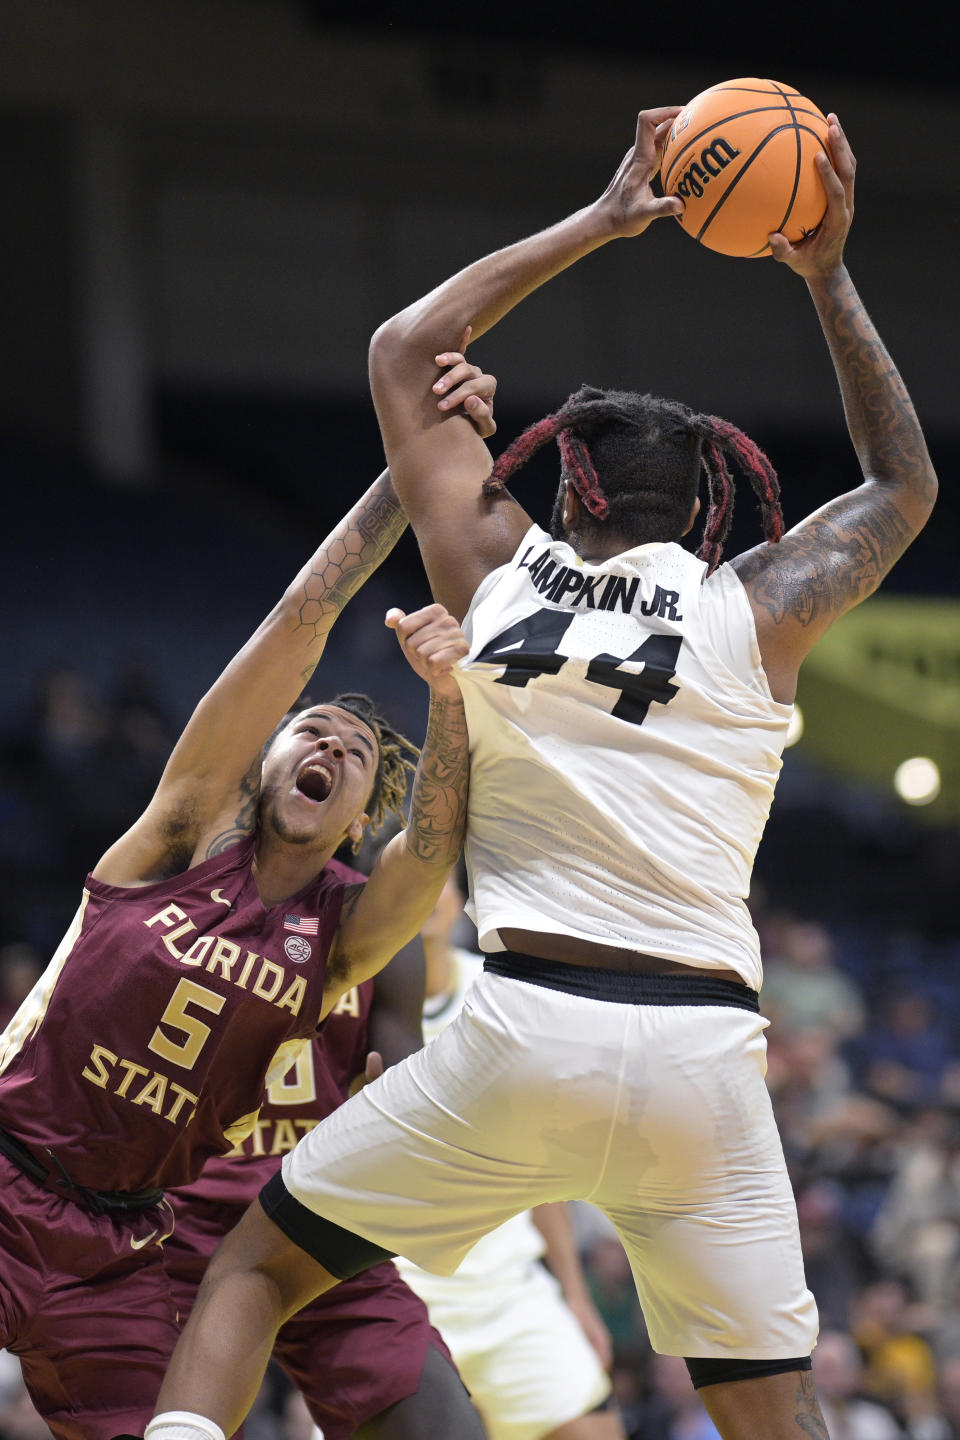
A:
635, 461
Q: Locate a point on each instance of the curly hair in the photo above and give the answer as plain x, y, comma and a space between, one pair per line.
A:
396, 755
635, 462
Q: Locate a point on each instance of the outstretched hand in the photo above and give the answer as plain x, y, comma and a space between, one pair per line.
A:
821, 252
629, 199
432, 642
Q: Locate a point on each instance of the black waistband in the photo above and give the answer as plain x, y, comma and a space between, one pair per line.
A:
623, 987
58, 1180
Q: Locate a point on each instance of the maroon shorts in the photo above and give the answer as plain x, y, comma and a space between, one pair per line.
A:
86, 1305
352, 1353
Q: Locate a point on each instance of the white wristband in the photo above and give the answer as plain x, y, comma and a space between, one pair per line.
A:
182, 1425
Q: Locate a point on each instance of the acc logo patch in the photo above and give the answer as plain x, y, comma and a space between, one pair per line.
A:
297, 949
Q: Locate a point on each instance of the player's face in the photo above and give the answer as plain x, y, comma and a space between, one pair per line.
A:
318, 775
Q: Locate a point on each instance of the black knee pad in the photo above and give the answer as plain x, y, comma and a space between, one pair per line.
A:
719, 1372
339, 1251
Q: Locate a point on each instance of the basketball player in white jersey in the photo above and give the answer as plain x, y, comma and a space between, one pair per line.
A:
627, 704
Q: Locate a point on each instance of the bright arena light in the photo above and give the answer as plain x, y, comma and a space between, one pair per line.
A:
917, 781
795, 728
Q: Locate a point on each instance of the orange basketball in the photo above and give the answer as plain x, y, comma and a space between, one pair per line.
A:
741, 158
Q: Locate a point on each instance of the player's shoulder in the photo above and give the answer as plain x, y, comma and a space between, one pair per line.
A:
532, 537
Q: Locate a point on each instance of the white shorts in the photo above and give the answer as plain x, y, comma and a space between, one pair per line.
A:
658, 1114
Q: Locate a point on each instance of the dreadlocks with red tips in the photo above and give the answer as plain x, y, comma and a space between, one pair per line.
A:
577, 464
635, 461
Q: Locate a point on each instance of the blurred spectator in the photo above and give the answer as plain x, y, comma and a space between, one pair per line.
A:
837, 1262
904, 1058
945, 1333
838, 1373
808, 1081
829, 1129
94, 763
899, 1364
69, 718
804, 988
918, 1228
945, 1425
854, 1145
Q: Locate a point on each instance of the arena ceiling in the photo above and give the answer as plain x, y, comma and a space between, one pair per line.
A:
906, 49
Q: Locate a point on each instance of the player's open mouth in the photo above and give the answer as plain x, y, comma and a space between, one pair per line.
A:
315, 781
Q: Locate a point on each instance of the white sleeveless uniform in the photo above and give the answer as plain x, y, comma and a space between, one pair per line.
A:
624, 749
519, 1349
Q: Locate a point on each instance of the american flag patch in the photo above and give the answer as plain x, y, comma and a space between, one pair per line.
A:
301, 924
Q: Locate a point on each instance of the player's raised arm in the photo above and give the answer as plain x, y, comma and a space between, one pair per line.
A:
839, 555
208, 794
436, 459
390, 908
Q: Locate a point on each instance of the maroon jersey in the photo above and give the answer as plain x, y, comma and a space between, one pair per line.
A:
146, 1046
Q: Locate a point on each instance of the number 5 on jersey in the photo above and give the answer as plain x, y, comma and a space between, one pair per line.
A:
176, 1015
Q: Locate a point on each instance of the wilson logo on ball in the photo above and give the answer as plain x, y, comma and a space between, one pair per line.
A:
742, 158
713, 160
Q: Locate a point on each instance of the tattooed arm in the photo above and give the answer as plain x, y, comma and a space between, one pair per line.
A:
207, 796
839, 555
379, 917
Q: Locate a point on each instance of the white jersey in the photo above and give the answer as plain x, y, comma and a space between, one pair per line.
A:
624, 752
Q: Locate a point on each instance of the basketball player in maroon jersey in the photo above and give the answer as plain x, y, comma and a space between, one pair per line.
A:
365, 1357
209, 941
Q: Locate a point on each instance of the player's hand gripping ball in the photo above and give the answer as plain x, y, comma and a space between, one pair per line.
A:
741, 157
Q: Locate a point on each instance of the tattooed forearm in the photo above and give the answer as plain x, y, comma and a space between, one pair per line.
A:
438, 805
840, 554
880, 416
833, 561
349, 556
